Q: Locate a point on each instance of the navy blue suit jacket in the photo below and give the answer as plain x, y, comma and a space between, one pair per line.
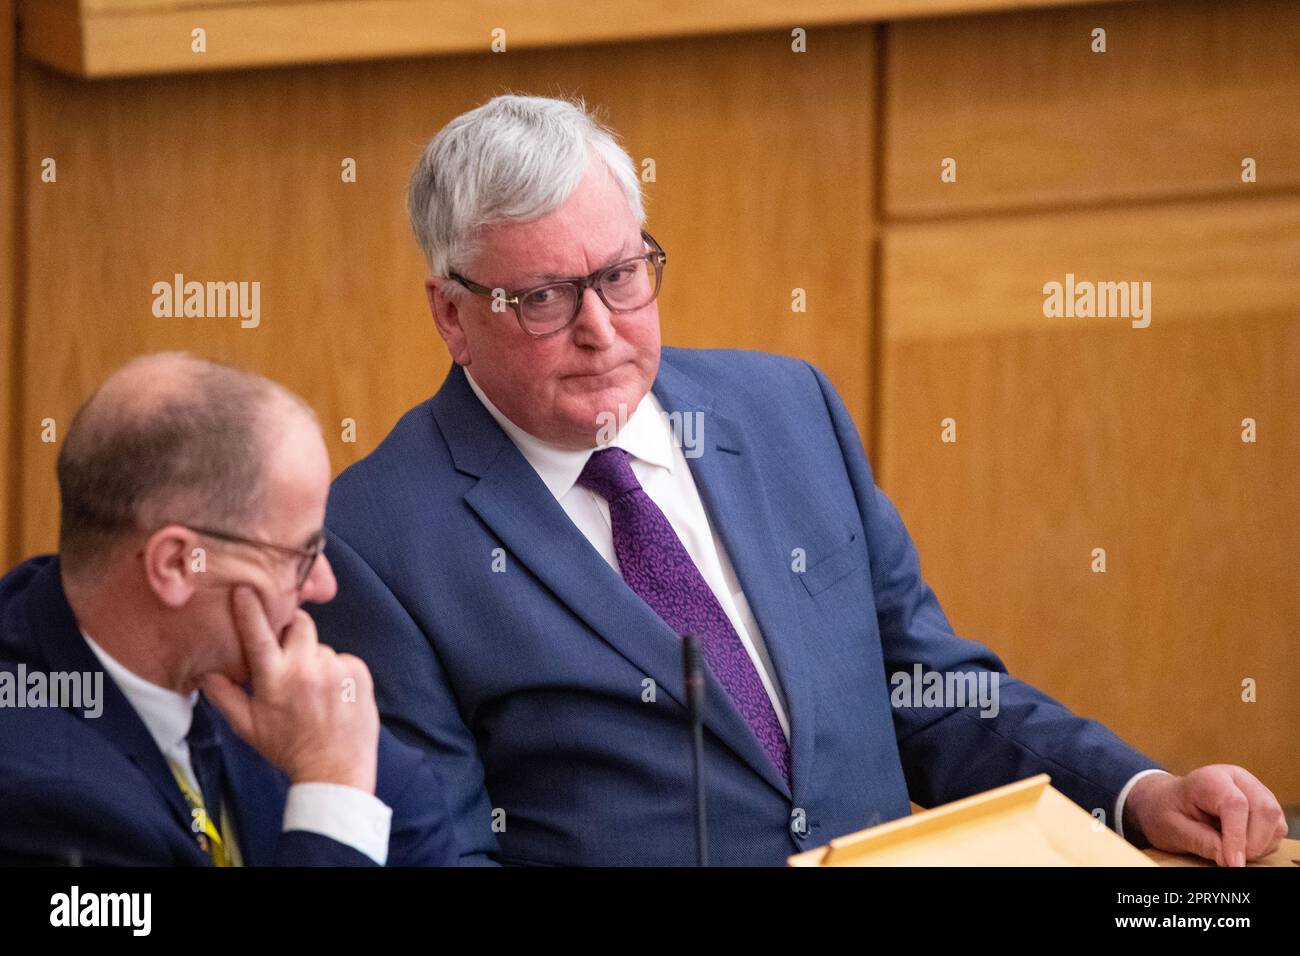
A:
529, 685
98, 791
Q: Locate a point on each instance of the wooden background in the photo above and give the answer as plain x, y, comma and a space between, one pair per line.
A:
778, 170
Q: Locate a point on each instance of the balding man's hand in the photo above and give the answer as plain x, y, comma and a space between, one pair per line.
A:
312, 712
1220, 812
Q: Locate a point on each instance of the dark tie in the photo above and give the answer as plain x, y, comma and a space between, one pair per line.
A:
656, 565
205, 758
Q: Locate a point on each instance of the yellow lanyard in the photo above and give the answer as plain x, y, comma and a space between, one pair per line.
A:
206, 832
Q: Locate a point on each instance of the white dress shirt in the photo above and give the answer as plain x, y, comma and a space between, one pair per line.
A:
661, 468
345, 814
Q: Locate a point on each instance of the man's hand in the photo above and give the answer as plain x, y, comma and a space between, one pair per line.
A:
303, 715
1220, 812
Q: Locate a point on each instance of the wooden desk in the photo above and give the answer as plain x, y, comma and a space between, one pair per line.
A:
1288, 854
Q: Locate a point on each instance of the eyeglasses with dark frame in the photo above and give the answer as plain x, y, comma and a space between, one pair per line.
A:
528, 301
306, 556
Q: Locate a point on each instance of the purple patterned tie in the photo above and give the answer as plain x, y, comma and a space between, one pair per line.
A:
656, 565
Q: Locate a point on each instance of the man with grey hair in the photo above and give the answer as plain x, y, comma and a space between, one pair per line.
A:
520, 558
192, 501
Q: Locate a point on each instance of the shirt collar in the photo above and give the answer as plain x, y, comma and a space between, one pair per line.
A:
166, 714
645, 435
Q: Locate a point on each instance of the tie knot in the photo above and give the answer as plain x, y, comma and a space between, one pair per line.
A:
609, 474
203, 731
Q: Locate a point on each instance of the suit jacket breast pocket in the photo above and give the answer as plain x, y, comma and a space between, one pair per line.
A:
833, 567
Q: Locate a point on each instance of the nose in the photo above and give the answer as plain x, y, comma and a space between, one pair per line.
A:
594, 326
320, 586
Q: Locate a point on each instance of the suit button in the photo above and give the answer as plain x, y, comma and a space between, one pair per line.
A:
806, 834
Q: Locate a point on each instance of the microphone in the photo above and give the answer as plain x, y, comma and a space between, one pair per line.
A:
693, 671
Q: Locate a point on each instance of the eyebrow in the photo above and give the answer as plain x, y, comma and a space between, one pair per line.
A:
624, 252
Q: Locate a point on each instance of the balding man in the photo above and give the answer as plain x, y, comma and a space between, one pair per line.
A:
520, 556
192, 501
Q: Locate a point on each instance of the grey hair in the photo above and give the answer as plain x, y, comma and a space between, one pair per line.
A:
513, 159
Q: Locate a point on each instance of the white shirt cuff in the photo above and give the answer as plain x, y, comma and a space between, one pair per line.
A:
351, 816
1123, 795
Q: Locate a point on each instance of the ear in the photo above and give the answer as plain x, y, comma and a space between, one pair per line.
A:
172, 563
449, 319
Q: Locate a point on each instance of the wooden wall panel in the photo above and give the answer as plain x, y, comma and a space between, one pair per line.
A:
9, 369
1204, 260
762, 156
1083, 433
1035, 119
97, 38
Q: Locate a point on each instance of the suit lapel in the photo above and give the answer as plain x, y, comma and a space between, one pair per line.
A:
254, 791
514, 502
54, 629
738, 507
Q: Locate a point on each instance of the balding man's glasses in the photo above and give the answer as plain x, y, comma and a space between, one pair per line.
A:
306, 556
625, 286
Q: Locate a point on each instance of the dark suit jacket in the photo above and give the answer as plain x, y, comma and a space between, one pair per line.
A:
529, 685
97, 790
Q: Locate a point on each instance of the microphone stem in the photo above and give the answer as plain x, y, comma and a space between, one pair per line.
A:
701, 818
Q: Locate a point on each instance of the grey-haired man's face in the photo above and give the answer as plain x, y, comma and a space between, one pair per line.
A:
559, 388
